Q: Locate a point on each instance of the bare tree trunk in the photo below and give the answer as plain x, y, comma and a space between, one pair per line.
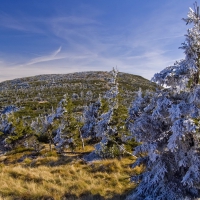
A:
50, 140
82, 140
50, 145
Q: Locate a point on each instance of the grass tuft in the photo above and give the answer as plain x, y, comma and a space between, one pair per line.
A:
65, 177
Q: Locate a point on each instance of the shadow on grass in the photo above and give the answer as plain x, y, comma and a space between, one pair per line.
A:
63, 159
84, 196
33, 159
89, 196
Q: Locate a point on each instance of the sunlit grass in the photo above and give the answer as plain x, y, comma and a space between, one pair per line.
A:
58, 176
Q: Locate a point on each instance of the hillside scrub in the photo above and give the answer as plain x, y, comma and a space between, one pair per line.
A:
35, 101
44, 167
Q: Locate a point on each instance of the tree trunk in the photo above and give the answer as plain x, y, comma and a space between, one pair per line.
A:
82, 140
50, 145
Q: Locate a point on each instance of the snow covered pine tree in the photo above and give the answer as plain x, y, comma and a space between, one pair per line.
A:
167, 123
102, 129
45, 124
90, 116
107, 148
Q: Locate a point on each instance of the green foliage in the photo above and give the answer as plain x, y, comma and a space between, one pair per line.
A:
72, 125
20, 130
118, 120
69, 106
44, 93
41, 94
131, 144
111, 150
104, 106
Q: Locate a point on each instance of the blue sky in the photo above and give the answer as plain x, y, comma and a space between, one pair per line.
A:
64, 36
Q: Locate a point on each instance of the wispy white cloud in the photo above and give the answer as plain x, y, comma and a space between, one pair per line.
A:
10, 22
74, 20
88, 44
46, 58
21, 23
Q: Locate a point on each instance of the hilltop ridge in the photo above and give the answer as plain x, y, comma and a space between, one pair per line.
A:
45, 91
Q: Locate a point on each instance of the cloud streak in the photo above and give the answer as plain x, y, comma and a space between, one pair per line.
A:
51, 57
138, 45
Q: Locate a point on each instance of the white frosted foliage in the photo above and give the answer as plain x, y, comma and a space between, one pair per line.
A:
90, 117
166, 122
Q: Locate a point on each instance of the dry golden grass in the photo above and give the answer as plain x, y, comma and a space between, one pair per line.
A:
67, 176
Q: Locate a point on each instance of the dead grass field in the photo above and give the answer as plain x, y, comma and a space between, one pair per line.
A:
50, 176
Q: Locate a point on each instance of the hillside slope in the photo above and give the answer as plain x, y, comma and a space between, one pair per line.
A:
38, 94
27, 147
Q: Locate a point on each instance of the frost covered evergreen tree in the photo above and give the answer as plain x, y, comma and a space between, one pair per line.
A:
90, 116
105, 148
103, 128
13, 131
68, 132
167, 124
43, 126
5, 125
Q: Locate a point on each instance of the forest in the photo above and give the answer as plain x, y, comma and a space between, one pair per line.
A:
104, 135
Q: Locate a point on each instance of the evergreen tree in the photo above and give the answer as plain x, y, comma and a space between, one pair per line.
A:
106, 126
90, 116
45, 125
167, 124
68, 132
105, 148
13, 131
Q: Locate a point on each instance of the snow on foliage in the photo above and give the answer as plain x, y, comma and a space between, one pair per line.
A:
65, 133
90, 116
103, 129
44, 124
167, 124
180, 73
59, 140
5, 125
99, 126
49, 119
9, 109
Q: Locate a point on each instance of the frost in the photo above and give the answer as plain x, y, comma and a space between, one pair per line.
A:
167, 124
